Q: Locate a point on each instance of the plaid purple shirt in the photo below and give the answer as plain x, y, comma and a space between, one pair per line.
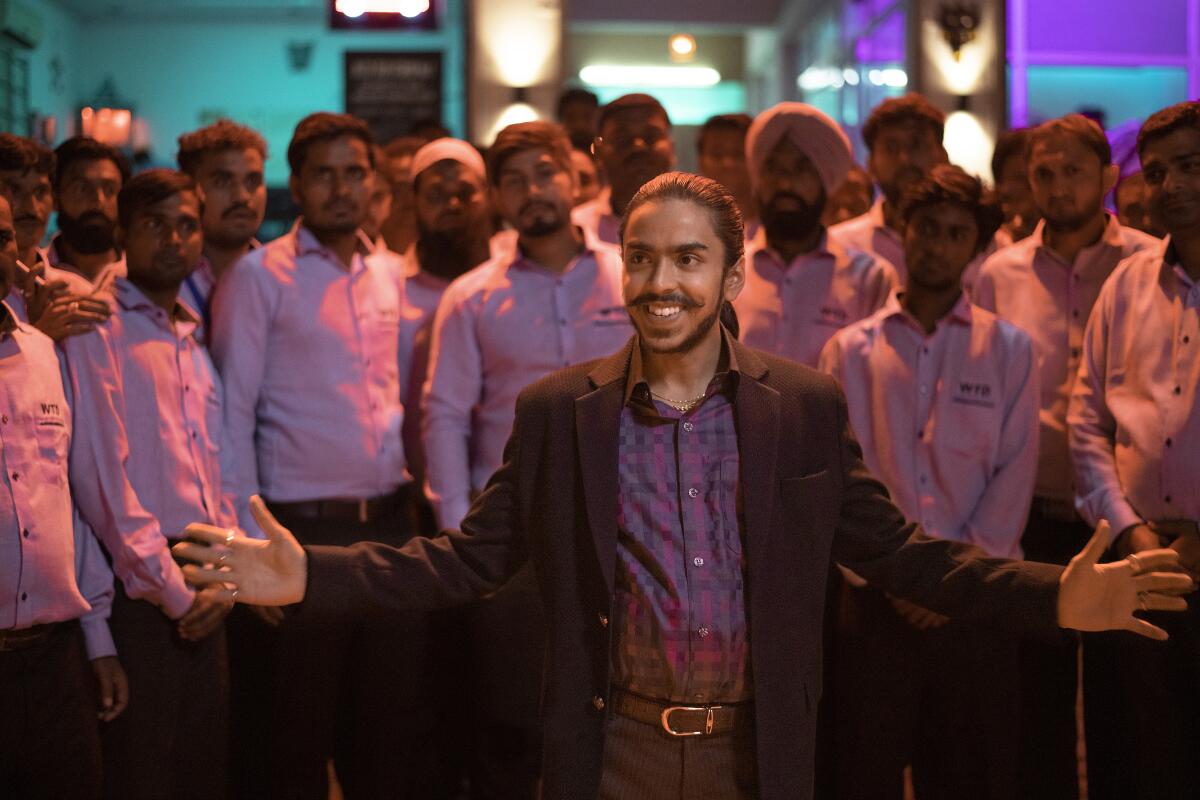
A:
680, 605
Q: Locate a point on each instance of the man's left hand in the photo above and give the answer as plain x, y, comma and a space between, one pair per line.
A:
1100, 597
213, 603
112, 685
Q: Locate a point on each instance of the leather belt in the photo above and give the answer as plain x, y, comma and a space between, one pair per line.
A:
682, 720
12, 639
363, 510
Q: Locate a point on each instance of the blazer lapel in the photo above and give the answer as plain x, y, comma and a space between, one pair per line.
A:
597, 430
758, 447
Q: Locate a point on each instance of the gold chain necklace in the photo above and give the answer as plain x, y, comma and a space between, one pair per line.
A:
682, 406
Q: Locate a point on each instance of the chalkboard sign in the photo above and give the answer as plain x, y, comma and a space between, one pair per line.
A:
392, 90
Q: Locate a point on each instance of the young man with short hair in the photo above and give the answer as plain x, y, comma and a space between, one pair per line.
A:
1046, 285
943, 398
148, 452
721, 153
226, 161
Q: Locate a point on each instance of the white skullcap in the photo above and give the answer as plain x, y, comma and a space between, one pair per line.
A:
447, 149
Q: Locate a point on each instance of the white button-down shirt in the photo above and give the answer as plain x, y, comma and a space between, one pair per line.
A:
51, 567
498, 328
868, 233
307, 350
948, 420
1032, 287
146, 460
1134, 418
791, 310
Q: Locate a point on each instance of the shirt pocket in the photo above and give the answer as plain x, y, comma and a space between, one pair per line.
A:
53, 441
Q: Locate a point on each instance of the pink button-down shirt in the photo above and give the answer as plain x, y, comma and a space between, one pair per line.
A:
77, 283
791, 310
51, 567
146, 458
498, 328
597, 219
948, 420
1032, 287
308, 353
197, 291
868, 233
1134, 418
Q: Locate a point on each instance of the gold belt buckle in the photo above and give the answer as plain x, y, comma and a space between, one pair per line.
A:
708, 721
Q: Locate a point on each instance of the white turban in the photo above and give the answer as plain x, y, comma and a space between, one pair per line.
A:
817, 136
447, 149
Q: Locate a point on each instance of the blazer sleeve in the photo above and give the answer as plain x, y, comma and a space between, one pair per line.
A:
451, 569
873, 539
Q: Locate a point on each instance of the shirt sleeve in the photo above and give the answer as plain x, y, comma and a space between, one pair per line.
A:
95, 581
243, 307
883, 283
999, 517
1092, 428
106, 499
983, 292
830, 361
452, 389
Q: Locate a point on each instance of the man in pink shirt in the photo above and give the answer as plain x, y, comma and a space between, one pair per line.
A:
802, 285
943, 397
226, 161
1134, 431
1046, 284
904, 137
305, 333
498, 328
55, 586
146, 457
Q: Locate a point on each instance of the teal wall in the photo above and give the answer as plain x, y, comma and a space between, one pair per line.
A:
179, 75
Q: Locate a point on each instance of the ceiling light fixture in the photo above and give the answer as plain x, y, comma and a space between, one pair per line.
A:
623, 75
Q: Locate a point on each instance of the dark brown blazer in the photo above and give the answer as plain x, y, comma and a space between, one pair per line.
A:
808, 500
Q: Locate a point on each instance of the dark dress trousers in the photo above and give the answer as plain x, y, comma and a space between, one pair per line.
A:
808, 499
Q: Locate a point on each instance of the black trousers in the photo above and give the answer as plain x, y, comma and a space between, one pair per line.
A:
942, 701
1049, 678
172, 739
49, 735
355, 690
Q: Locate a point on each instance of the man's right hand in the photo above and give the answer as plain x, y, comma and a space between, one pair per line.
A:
270, 573
70, 315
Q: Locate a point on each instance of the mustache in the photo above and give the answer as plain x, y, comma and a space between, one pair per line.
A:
28, 218
229, 212
673, 298
532, 204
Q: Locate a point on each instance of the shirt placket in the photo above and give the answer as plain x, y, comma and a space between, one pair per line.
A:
691, 504
16, 434
928, 358
185, 389
563, 322
1177, 464
360, 299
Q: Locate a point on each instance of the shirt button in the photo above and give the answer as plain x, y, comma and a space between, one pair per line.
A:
703, 633
24, 597
25, 533
1168, 441
603, 620
1178, 389
1075, 313
687, 426
1167, 499
924, 389
698, 561
922, 479
16, 476
562, 321
1074, 352
693, 492
1187, 339
598, 703
4, 419
193, 434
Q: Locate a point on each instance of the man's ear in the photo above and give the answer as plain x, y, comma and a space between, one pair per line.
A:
735, 279
1112, 173
294, 188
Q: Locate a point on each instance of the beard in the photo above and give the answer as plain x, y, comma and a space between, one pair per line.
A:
448, 254
791, 224
542, 225
91, 233
901, 181
1069, 221
693, 339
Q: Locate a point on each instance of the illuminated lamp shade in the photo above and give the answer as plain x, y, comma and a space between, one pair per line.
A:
112, 126
967, 144
516, 112
405, 8
682, 47
649, 76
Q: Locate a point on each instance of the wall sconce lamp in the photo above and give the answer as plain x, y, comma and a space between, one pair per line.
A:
959, 23
107, 118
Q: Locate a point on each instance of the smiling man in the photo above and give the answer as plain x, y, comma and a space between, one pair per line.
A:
667, 495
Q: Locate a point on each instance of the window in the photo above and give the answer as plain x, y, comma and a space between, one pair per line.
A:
14, 90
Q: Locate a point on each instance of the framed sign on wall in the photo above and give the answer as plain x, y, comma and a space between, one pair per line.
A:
391, 90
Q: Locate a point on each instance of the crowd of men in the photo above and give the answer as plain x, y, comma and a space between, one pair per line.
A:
1017, 366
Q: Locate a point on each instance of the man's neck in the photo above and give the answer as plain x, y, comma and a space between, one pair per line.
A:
1187, 249
1067, 244
86, 264
221, 258
683, 376
556, 250
928, 307
29, 256
165, 299
789, 249
891, 216
448, 257
618, 200
344, 245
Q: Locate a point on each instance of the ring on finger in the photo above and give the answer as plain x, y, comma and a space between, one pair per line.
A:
221, 559
1134, 562
230, 535
74, 306
1142, 601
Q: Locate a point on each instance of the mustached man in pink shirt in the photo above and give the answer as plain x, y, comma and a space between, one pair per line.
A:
943, 396
147, 455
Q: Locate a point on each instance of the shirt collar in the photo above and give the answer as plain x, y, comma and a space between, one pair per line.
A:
1111, 236
8, 320
961, 312
827, 246
307, 242
638, 390
1171, 265
131, 298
